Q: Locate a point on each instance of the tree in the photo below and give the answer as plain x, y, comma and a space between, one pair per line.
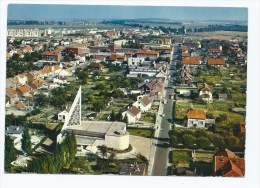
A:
98, 105
26, 141
41, 100
112, 116
103, 149
218, 141
231, 142
202, 143
188, 141
125, 119
10, 153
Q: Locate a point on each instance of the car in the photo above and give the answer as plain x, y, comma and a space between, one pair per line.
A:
163, 115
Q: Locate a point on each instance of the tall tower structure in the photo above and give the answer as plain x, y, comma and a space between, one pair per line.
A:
74, 116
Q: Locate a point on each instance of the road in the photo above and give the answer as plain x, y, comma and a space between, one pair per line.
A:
160, 160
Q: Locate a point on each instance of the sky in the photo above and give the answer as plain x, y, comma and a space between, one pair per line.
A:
72, 12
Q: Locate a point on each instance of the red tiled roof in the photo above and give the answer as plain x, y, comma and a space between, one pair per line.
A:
228, 165
212, 61
19, 105
196, 114
24, 88
114, 57
145, 100
147, 52
191, 61
11, 91
134, 111
56, 52
205, 87
185, 54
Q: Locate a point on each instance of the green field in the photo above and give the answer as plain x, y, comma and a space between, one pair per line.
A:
141, 132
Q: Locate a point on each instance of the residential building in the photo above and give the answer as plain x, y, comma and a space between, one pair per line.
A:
16, 134
133, 114
51, 55
228, 164
205, 92
147, 53
143, 103
196, 118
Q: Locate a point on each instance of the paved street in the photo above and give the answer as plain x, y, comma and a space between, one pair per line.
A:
160, 148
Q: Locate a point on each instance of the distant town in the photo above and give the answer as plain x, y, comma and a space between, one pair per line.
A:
126, 97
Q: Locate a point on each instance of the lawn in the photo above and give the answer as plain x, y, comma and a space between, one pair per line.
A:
204, 156
147, 133
181, 158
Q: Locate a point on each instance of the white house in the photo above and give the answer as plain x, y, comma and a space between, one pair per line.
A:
59, 80
63, 115
205, 92
135, 61
133, 114
65, 73
16, 134
22, 78
196, 118
143, 103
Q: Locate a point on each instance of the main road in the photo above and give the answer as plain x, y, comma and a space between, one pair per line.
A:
161, 143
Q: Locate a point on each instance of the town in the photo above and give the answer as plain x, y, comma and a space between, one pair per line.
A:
126, 98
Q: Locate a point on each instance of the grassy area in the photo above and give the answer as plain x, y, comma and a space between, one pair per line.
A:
204, 156
148, 117
141, 132
181, 158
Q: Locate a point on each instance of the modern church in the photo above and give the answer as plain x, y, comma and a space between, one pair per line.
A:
91, 134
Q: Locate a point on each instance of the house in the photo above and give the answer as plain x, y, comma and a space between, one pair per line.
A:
12, 96
133, 114
196, 118
19, 106
227, 164
162, 49
147, 53
51, 55
80, 49
59, 80
216, 62
63, 115
24, 90
205, 92
12, 82
27, 49
22, 78
117, 57
96, 66
16, 134
135, 61
193, 61
143, 103
46, 71
35, 84
133, 169
242, 128
65, 73
214, 51
155, 87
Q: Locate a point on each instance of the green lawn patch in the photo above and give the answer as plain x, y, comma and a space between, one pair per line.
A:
147, 133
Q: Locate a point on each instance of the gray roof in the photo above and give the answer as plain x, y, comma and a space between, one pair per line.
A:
100, 127
14, 130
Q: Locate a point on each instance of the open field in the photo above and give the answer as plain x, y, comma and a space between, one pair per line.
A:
221, 35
